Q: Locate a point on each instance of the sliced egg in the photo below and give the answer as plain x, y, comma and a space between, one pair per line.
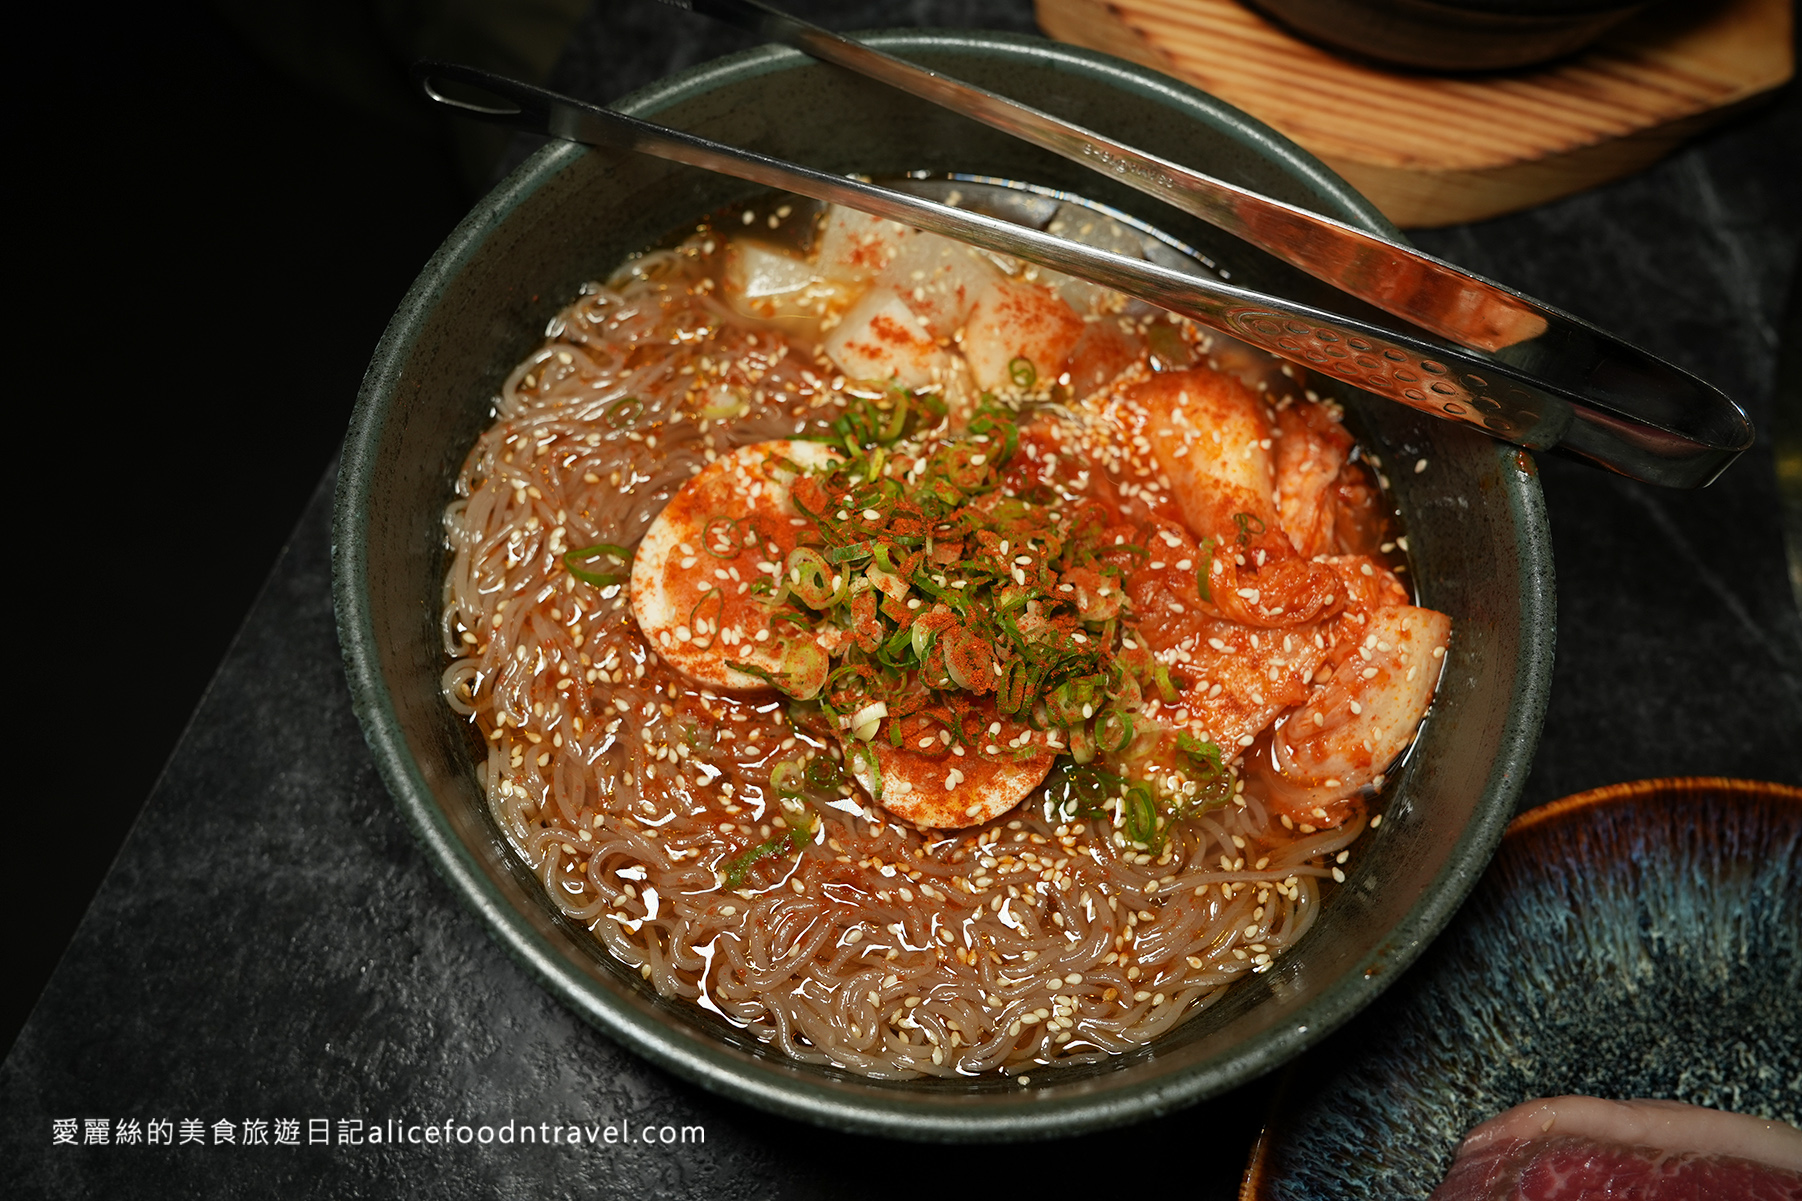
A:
695, 574
939, 790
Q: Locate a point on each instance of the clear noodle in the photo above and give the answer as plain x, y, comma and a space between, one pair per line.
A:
880, 948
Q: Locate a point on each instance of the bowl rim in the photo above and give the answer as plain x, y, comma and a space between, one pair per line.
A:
793, 1092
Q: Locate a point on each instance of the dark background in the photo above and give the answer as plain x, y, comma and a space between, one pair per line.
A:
211, 246
216, 208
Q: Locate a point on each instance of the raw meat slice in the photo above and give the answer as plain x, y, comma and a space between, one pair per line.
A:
1571, 1148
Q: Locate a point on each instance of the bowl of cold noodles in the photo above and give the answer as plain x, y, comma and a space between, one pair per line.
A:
905, 689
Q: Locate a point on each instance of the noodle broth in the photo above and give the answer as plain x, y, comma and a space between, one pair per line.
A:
715, 840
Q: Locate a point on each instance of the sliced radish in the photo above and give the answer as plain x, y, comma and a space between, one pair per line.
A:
1018, 337
881, 339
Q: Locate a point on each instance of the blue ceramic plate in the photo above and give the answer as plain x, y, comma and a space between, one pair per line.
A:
1643, 940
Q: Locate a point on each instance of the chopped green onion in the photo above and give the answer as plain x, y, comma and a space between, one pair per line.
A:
713, 621
1086, 791
729, 541
619, 554
1140, 812
788, 842
866, 720
948, 595
1015, 693
876, 422
1113, 731
804, 668
802, 675
991, 421
1202, 754
941, 586
898, 650
922, 637
823, 771
1166, 688
1213, 778
1244, 521
865, 755
810, 577
623, 413
786, 778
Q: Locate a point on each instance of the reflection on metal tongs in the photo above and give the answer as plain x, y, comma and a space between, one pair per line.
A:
1494, 359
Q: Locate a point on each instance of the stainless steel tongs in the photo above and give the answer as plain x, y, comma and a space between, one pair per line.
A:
1483, 355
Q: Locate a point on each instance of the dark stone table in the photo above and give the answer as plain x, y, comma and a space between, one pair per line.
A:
271, 956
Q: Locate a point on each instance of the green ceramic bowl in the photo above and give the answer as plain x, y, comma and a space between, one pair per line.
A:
1475, 517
